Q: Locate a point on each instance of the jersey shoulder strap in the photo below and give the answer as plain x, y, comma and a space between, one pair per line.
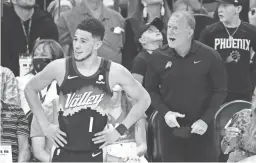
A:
106, 65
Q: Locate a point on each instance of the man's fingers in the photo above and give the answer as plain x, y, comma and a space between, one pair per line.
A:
61, 138
180, 115
100, 141
176, 123
62, 133
103, 145
100, 133
57, 141
193, 129
98, 138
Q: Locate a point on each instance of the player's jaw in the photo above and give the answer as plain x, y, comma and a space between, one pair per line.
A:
81, 56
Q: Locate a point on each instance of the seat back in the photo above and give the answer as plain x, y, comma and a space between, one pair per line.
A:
154, 137
223, 115
201, 22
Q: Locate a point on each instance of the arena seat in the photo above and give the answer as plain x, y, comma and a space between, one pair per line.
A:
201, 22
154, 138
222, 117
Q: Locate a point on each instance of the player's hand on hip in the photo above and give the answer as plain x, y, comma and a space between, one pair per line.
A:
171, 118
107, 137
199, 127
54, 133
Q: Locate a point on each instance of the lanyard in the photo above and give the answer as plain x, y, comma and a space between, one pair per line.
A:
27, 33
40, 94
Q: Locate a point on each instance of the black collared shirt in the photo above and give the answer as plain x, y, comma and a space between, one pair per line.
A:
194, 85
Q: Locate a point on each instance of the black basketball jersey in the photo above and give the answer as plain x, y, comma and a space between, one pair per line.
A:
85, 102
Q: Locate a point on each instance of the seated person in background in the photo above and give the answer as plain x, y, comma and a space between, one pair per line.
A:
41, 145
14, 126
150, 39
239, 141
43, 53
132, 146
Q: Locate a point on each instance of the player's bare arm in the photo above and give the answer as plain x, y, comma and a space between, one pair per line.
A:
140, 97
120, 75
53, 71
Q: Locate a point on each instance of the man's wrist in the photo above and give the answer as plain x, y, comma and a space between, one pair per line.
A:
121, 129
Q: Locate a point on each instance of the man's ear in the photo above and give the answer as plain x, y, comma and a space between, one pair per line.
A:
191, 32
239, 9
142, 41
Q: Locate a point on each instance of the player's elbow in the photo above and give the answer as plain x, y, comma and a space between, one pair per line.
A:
146, 99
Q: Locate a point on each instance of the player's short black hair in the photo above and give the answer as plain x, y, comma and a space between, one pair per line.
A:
94, 26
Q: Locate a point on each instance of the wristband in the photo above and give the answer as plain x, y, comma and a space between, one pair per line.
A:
121, 129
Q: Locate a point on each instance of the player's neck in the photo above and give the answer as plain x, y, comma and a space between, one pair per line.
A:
184, 49
90, 63
24, 14
233, 23
153, 12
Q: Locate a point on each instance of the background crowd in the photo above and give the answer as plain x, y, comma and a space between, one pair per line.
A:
139, 34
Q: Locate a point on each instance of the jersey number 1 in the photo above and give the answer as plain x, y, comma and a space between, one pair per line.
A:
91, 124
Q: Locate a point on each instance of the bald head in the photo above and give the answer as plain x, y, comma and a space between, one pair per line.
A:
184, 17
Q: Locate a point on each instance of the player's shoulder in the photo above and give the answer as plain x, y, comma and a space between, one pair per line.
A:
57, 65
116, 67
249, 27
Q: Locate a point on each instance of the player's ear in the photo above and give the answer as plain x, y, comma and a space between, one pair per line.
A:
97, 45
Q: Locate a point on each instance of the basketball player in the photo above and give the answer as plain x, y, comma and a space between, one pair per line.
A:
233, 39
85, 82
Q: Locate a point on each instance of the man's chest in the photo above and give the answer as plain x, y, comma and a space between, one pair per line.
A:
179, 69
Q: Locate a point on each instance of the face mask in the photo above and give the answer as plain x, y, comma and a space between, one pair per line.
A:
40, 63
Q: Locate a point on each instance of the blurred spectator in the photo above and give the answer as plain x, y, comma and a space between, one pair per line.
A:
187, 84
233, 39
42, 4
112, 20
43, 53
22, 24
132, 146
57, 9
145, 12
150, 39
239, 141
14, 126
252, 16
192, 6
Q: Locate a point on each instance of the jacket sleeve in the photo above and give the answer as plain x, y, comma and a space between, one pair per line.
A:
152, 82
218, 78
